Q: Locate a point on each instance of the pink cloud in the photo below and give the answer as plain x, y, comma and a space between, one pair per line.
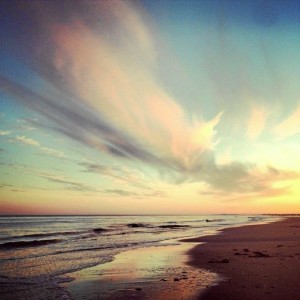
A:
120, 84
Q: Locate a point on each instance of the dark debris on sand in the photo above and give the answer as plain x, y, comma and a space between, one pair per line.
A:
222, 261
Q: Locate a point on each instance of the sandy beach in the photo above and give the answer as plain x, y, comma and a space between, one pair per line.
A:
248, 262
255, 262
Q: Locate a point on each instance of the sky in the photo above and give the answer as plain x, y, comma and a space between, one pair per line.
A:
149, 107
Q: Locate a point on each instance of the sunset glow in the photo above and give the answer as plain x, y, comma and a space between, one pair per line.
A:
149, 107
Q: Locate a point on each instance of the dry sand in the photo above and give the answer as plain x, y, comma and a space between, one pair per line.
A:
256, 262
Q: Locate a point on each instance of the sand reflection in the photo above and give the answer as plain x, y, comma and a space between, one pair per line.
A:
145, 273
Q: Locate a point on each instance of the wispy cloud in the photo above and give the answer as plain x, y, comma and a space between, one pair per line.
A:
24, 125
68, 183
129, 178
237, 181
257, 122
52, 152
119, 192
290, 126
120, 174
100, 60
144, 111
79, 122
64, 181
27, 141
107, 93
2, 185
4, 132
31, 142
133, 194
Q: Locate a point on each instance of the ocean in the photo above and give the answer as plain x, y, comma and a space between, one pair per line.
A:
36, 249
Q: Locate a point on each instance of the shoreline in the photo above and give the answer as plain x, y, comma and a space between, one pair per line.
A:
148, 273
144, 273
255, 261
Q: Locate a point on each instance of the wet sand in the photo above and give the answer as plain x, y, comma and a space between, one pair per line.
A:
255, 262
146, 273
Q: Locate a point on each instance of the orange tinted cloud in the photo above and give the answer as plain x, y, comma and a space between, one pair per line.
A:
290, 126
257, 122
